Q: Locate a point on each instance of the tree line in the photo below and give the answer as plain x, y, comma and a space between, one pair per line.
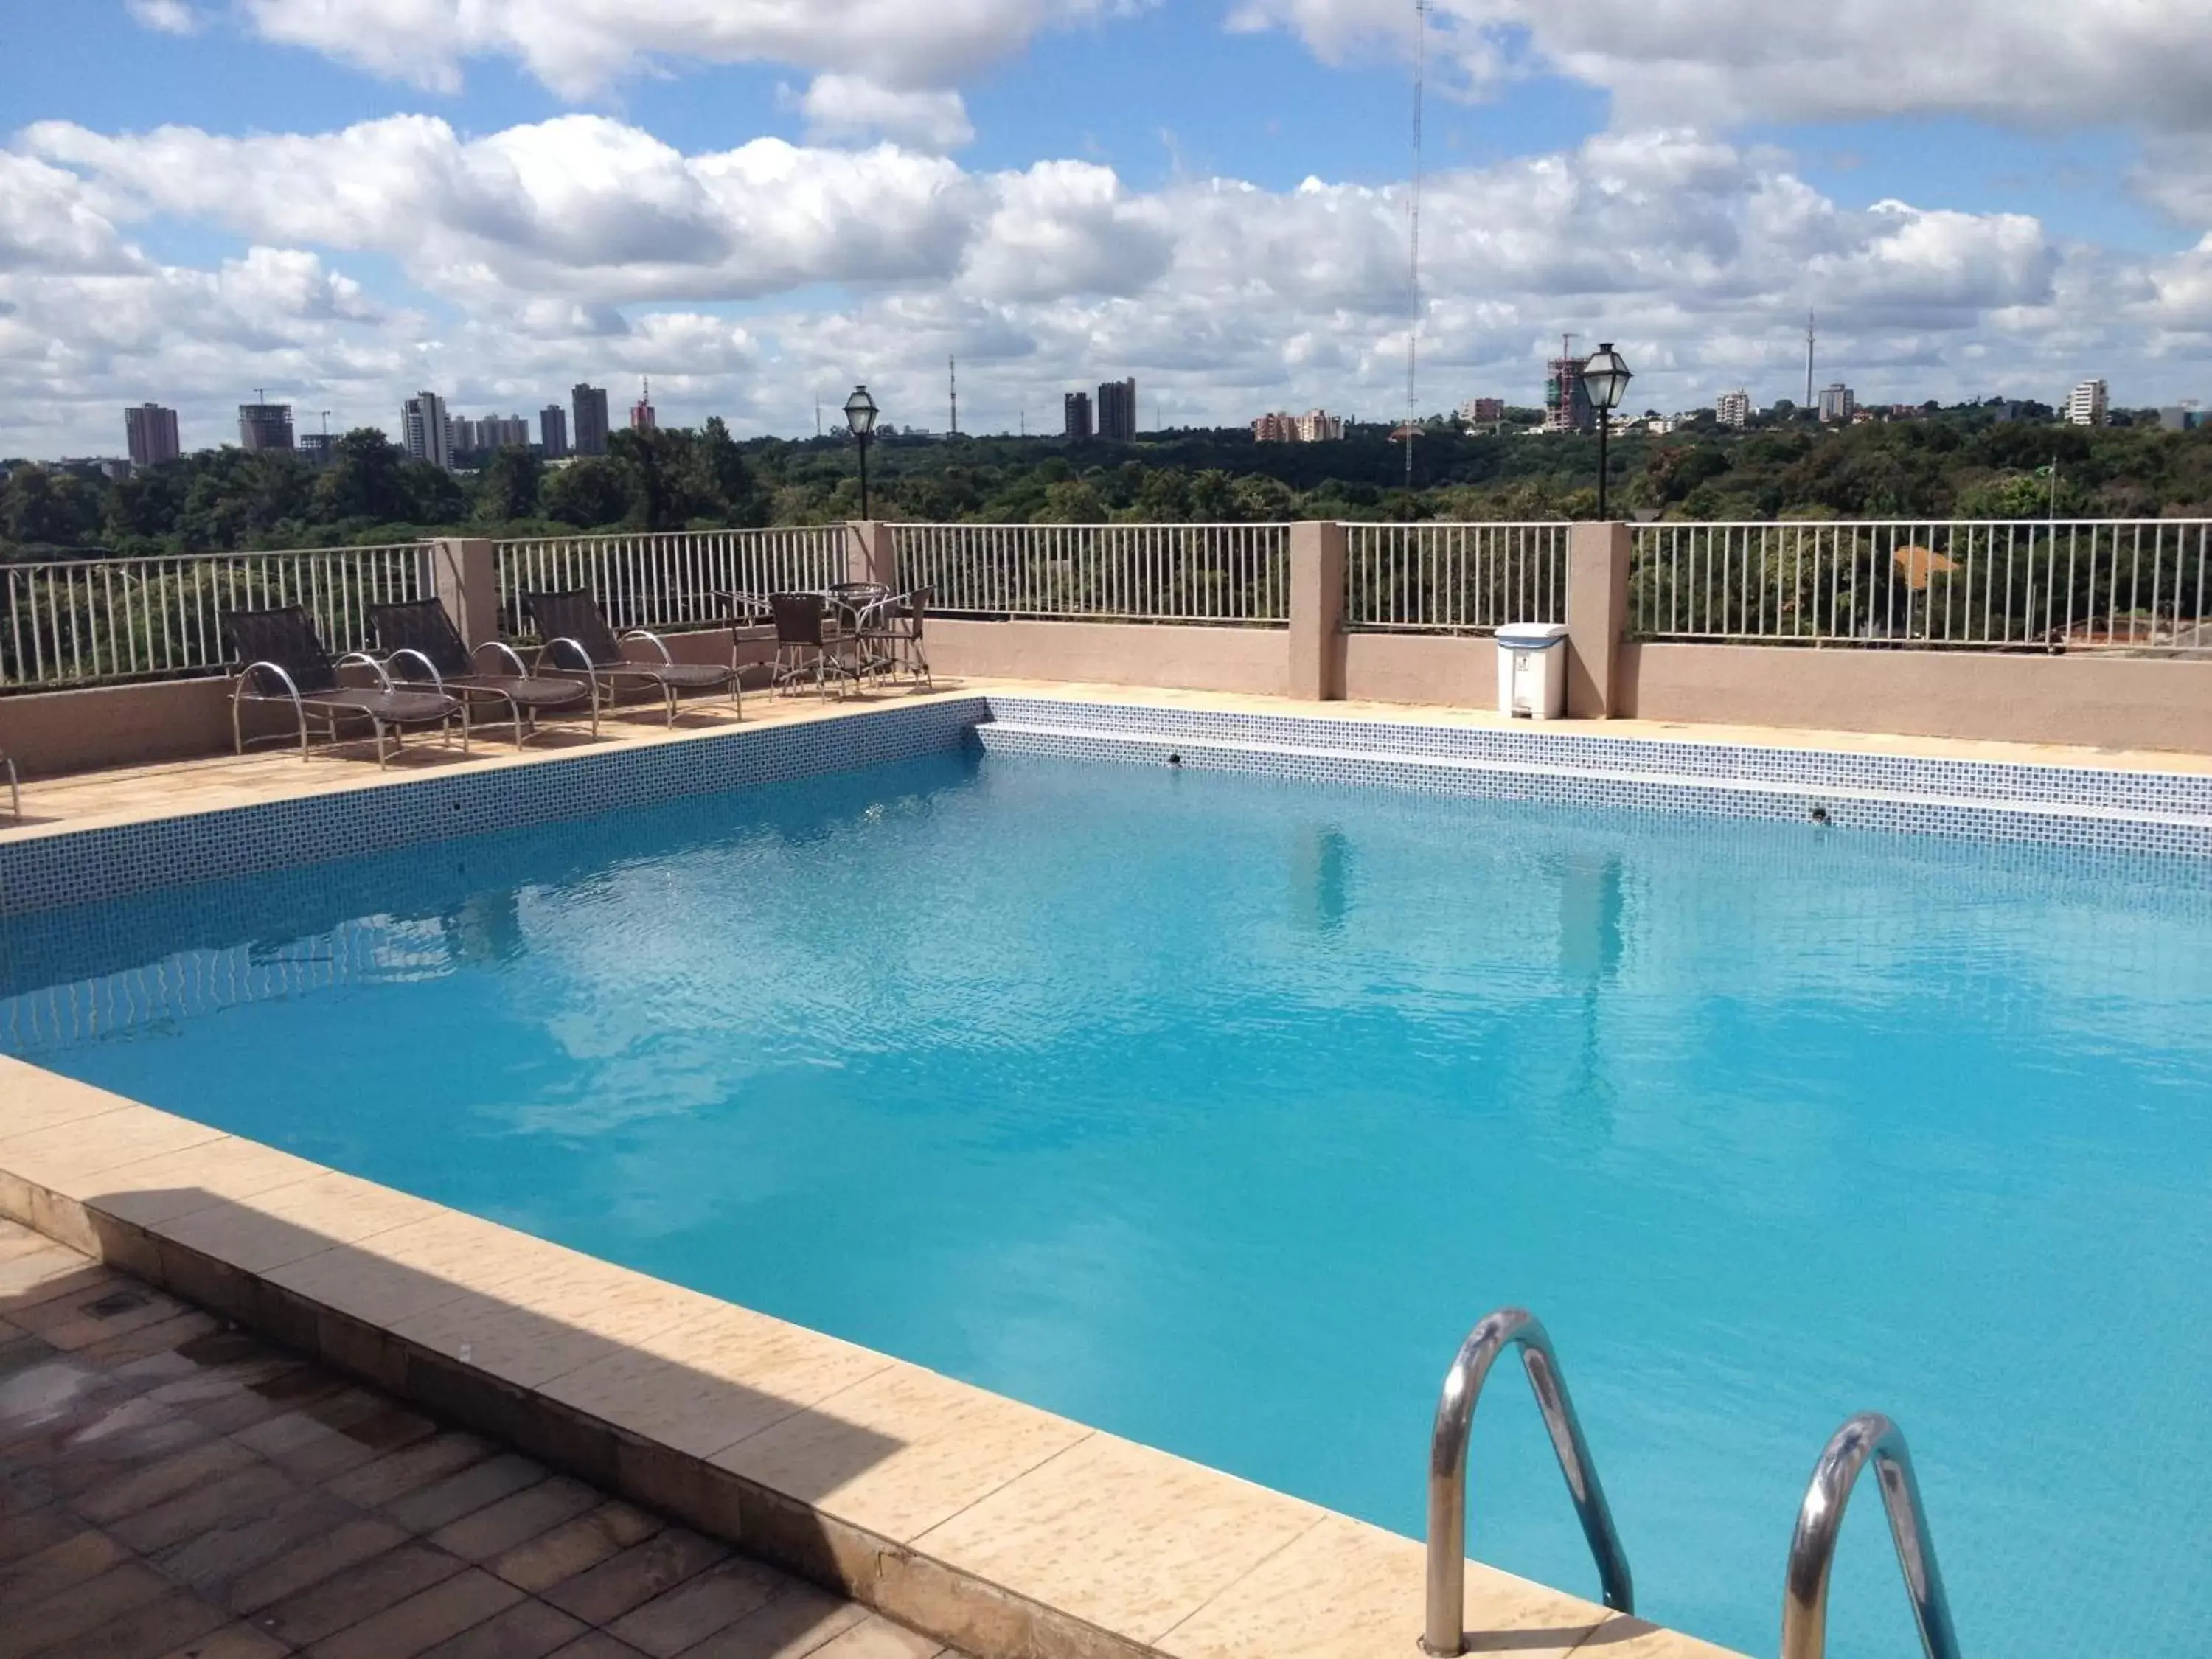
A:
1958, 463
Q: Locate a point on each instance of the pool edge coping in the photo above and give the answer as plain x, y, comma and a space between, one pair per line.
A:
1079, 1545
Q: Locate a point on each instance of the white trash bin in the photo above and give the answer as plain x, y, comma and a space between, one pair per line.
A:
1532, 670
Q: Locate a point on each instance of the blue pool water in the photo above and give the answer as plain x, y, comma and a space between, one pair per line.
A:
1213, 1110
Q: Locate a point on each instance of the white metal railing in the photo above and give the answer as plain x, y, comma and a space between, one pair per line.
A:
1200, 573
667, 579
2137, 585
1454, 578
87, 621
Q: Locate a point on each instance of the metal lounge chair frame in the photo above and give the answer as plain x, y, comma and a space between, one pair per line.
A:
421, 633
577, 638
290, 664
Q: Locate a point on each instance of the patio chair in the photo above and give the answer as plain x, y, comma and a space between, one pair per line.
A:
421, 634
577, 638
286, 663
14, 788
801, 647
894, 634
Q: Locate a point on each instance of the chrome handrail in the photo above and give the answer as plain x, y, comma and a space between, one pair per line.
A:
1447, 1586
1869, 1436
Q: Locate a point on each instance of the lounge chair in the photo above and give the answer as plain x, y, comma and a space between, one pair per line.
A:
286, 663
420, 635
577, 638
802, 648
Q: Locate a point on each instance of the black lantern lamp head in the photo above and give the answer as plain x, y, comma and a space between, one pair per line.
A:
1605, 378
860, 412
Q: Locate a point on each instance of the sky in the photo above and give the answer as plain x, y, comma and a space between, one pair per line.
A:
758, 203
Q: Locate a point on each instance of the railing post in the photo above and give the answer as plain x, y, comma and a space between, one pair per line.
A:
869, 556
1597, 616
1316, 641
461, 572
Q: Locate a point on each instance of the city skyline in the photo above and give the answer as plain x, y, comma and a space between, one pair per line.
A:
785, 214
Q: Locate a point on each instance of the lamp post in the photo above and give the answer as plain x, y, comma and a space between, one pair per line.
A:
1605, 378
860, 417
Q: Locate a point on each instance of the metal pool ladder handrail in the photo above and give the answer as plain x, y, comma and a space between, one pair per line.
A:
1507, 1327
1869, 1436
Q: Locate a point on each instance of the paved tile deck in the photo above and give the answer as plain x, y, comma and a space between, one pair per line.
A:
134, 794
170, 1487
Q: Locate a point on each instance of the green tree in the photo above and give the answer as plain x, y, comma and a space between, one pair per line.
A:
144, 506
723, 479
588, 494
507, 487
43, 506
362, 480
435, 498
1071, 500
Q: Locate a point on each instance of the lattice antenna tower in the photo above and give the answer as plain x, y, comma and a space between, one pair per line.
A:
1812, 333
952, 386
1413, 239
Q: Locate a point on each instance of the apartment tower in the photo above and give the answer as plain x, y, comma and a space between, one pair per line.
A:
590, 403
151, 432
1117, 412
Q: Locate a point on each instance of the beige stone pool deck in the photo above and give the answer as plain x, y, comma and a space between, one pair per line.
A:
989, 1526
134, 794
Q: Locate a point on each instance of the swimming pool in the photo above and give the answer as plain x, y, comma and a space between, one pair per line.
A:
1212, 1109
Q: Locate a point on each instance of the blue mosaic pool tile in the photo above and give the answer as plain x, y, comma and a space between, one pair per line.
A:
2168, 813
43, 873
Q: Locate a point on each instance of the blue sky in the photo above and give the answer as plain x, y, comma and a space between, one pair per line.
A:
1077, 189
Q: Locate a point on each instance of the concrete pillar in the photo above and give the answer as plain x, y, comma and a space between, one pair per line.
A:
1316, 645
1597, 616
869, 556
463, 574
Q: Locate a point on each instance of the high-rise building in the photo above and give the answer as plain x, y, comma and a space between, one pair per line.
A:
641, 417
264, 426
1733, 409
2087, 406
151, 432
1315, 426
1117, 412
590, 403
1566, 400
1838, 403
493, 432
1483, 411
553, 432
1076, 415
318, 448
426, 431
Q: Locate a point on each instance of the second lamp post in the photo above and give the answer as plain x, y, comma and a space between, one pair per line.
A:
1605, 378
860, 418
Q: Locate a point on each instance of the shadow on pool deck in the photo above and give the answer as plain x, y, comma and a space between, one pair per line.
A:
167, 1485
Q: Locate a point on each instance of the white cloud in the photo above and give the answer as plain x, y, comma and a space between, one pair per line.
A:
745, 281
579, 47
841, 106
2026, 63
170, 16
51, 219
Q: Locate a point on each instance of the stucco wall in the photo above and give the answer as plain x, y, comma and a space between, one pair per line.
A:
2107, 702
1251, 660
54, 732
1434, 668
